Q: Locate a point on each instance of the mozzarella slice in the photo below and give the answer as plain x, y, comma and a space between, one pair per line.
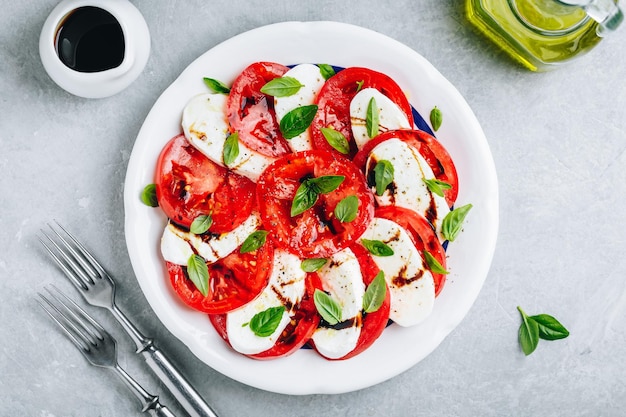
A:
391, 117
408, 188
178, 244
206, 128
411, 284
310, 77
286, 288
341, 278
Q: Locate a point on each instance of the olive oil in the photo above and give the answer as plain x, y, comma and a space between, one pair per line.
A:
537, 33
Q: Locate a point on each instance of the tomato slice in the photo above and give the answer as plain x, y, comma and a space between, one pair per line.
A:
188, 184
431, 150
297, 333
316, 232
251, 113
233, 281
334, 100
373, 323
422, 234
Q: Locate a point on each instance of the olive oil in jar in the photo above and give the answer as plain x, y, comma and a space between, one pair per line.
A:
539, 34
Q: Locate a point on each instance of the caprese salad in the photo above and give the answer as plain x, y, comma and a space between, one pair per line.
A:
306, 208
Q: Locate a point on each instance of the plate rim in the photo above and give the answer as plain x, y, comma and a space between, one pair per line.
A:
223, 359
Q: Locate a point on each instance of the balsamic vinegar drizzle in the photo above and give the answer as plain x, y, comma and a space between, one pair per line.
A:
90, 39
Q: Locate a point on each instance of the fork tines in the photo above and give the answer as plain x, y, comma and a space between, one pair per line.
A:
71, 256
72, 319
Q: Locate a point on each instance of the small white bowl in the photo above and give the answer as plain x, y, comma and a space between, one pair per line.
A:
103, 83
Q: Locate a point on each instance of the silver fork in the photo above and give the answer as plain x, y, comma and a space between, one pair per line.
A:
96, 345
98, 288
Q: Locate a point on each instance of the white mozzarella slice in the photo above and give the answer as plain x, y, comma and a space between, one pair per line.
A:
408, 189
312, 80
177, 244
391, 117
286, 288
206, 128
411, 284
342, 279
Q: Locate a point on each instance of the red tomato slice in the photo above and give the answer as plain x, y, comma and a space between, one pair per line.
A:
316, 232
334, 100
188, 184
298, 331
431, 150
233, 281
373, 323
251, 113
422, 234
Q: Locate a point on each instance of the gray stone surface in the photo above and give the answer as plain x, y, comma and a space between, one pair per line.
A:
558, 140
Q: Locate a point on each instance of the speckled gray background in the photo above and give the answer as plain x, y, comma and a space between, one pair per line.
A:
558, 140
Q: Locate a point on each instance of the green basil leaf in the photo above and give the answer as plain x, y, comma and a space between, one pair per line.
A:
336, 139
313, 264
310, 189
549, 327
148, 196
383, 175
231, 148
433, 264
326, 70
282, 87
327, 307
201, 224
375, 293
453, 222
327, 183
347, 209
216, 86
359, 85
377, 247
436, 186
297, 121
435, 118
305, 198
198, 273
528, 333
372, 118
266, 322
254, 241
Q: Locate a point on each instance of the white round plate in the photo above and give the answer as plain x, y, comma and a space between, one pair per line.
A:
469, 257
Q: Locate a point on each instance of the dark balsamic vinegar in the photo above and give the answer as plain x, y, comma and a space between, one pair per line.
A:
90, 39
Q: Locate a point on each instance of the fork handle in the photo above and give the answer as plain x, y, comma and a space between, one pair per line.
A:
150, 403
167, 372
178, 385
